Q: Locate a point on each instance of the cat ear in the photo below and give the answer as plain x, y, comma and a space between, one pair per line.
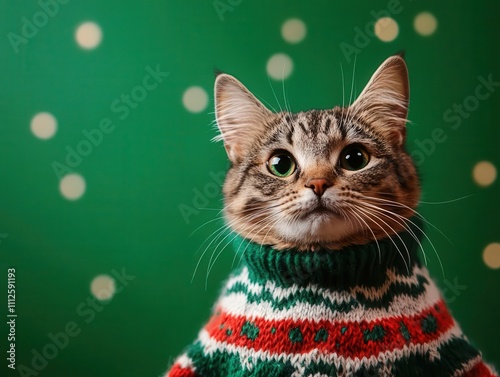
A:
383, 103
241, 117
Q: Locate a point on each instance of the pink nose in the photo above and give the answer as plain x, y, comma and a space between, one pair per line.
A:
319, 185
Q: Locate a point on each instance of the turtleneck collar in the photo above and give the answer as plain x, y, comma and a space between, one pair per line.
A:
365, 265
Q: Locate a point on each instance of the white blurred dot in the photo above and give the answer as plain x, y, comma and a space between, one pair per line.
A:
279, 66
43, 125
491, 255
103, 287
195, 99
293, 30
88, 35
386, 29
425, 24
484, 173
72, 186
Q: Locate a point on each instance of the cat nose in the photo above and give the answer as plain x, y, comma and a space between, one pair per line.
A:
318, 185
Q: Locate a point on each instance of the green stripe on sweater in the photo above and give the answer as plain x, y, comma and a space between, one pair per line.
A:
307, 297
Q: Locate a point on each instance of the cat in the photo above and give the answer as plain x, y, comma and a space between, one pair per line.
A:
322, 204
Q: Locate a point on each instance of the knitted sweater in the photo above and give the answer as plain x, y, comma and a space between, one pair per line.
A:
361, 311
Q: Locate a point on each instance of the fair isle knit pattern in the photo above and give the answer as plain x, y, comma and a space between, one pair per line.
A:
368, 310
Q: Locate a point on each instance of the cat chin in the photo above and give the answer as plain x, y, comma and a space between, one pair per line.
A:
317, 229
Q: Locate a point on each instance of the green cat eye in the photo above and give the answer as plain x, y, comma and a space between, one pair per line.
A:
354, 157
281, 164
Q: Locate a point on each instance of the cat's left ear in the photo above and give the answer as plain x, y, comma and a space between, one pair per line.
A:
383, 103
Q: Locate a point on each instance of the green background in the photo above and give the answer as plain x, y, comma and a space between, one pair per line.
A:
159, 159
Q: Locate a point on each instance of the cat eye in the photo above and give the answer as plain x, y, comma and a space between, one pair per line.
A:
354, 157
281, 164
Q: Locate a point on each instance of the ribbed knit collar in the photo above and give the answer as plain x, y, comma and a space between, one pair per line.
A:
365, 265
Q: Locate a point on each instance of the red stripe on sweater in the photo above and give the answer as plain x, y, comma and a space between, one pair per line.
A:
178, 371
349, 339
479, 370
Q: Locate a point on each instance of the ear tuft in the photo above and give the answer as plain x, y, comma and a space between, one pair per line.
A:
401, 54
217, 72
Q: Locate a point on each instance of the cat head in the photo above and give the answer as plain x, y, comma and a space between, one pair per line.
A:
319, 178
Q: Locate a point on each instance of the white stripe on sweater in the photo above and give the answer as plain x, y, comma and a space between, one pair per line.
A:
237, 304
471, 364
184, 362
467, 367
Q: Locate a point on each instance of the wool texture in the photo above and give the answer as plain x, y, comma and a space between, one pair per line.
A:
369, 310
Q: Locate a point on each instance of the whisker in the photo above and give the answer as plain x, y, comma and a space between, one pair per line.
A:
274, 94
402, 223
448, 201
255, 235
251, 240
373, 234
247, 218
415, 212
220, 231
343, 92
287, 105
223, 228
270, 227
210, 267
367, 213
425, 235
352, 80
205, 224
